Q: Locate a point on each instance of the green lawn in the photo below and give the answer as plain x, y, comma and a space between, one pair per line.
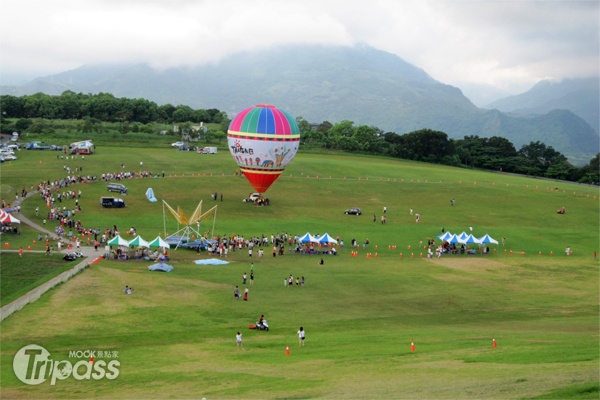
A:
175, 336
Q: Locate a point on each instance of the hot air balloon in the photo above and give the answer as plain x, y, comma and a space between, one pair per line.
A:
263, 140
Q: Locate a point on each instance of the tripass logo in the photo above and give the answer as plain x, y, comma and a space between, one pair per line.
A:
32, 365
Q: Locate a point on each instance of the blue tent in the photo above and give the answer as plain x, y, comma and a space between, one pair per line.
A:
445, 236
308, 238
326, 238
487, 239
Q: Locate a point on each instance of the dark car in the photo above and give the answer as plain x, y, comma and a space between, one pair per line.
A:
117, 187
112, 202
353, 211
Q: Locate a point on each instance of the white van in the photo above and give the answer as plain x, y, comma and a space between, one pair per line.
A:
15, 137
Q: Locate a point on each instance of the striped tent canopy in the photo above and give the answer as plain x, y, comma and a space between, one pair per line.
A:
6, 218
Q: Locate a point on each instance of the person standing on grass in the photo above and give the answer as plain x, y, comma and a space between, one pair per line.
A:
238, 340
251, 278
301, 335
246, 294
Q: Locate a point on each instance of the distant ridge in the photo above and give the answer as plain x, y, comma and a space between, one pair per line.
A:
581, 96
327, 83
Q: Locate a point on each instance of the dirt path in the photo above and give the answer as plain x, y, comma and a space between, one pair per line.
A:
89, 255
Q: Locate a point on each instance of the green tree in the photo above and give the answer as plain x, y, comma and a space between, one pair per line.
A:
12, 106
183, 114
23, 124
70, 105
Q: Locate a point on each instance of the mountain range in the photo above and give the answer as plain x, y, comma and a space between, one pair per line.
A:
360, 84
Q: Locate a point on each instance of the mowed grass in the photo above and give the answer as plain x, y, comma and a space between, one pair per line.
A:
175, 337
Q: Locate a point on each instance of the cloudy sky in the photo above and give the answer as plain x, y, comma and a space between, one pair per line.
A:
508, 45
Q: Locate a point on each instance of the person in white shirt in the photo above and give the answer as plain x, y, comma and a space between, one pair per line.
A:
301, 336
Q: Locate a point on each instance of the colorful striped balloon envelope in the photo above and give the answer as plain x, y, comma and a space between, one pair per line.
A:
263, 140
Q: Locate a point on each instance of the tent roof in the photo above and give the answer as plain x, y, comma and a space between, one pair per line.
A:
138, 241
326, 238
470, 239
308, 238
444, 236
159, 242
487, 239
6, 218
462, 236
118, 241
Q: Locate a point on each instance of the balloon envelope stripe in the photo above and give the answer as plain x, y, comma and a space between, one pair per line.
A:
258, 136
262, 171
264, 120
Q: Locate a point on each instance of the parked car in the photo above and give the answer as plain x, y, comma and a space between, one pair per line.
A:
252, 197
37, 146
8, 157
117, 187
207, 150
353, 211
177, 144
112, 202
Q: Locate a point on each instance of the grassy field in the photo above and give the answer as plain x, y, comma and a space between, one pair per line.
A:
175, 336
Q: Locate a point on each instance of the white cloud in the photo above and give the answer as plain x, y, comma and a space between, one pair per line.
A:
507, 44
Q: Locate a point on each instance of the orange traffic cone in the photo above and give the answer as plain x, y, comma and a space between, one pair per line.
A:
412, 346
494, 343
287, 350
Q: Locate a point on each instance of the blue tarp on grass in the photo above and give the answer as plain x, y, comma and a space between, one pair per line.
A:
162, 267
211, 261
150, 195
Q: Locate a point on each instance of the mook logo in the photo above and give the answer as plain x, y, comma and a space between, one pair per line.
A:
32, 365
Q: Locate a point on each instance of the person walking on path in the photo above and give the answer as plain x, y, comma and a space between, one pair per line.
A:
301, 335
238, 340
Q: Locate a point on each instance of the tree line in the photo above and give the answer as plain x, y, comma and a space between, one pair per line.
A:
491, 153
